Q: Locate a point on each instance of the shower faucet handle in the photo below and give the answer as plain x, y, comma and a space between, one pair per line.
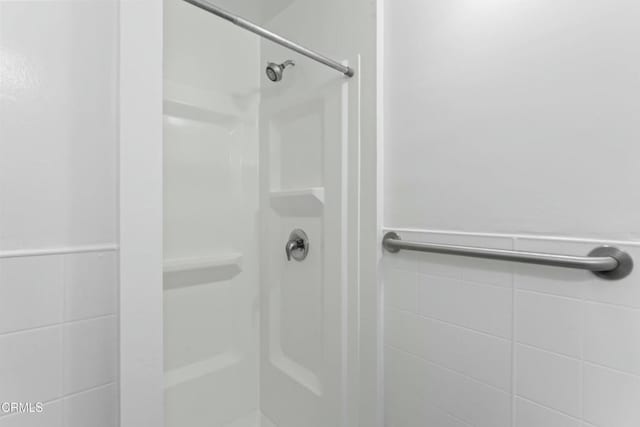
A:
298, 245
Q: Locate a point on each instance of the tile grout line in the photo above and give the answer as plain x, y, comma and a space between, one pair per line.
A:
64, 261
588, 363
63, 397
85, 390
579, 359
434, 405
450, 324
57, 324
583, 321
448, 369
422, 274
450, 415
549, 352
582, 299
548, 408
513, 341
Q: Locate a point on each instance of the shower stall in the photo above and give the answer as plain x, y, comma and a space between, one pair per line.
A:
261, 213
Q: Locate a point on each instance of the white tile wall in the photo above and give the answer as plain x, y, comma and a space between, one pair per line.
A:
89, 289
548, 378
612, 337
529, 414
50, 417
484, 308
58, 194
89, 354
95, 408
522, 346
474, 354
58, 136
611, 397
46, 353
563, 316
31, 365
24, 302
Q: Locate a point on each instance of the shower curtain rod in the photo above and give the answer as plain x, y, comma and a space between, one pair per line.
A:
256, 29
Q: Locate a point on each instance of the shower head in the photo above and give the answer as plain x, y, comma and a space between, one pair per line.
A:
275, 71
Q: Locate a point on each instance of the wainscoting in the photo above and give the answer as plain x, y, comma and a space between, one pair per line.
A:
486, 343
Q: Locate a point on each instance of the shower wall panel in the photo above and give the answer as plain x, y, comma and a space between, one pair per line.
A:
308, 124
211, 307
309, 156
303, 302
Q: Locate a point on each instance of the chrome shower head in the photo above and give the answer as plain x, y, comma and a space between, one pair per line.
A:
275, 71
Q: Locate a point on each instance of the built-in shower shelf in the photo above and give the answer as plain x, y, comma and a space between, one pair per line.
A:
197, 263
186, 102
180, 272
198, 370
301, 202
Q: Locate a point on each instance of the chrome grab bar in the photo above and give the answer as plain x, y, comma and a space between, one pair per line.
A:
607, 262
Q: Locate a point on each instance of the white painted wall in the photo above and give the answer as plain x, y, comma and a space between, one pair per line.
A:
520, 116
507, 124
58, 211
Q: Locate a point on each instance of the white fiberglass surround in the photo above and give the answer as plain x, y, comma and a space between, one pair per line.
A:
306, 127
250, 338
211, 320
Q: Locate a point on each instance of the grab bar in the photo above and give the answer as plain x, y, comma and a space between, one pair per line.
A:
607, 262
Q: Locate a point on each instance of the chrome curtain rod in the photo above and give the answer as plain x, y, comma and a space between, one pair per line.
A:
606, 262
256, 29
